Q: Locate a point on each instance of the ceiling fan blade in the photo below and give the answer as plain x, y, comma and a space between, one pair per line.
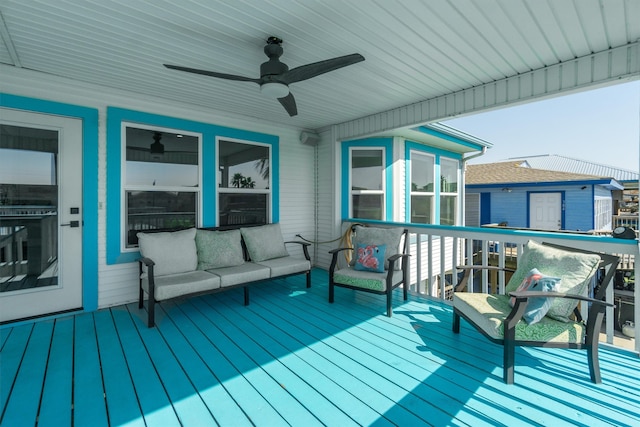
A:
289, 104
308, 71
212, 74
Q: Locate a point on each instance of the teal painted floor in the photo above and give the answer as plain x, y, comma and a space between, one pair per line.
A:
291, 358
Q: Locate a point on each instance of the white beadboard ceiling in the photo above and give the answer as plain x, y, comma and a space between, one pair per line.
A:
415, 50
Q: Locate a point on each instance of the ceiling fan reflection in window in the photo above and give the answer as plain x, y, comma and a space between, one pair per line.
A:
158, 152
275, 76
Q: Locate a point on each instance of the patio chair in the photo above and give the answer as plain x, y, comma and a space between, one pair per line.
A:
379, 265
546, 314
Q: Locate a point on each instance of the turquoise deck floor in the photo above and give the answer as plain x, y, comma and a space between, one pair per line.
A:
291, 358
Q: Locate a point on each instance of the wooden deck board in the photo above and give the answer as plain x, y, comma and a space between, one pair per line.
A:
55, 407
290, 358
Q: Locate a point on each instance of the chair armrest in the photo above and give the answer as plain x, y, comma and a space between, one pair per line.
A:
335, 251
334, 258
393, 258
484, 267
146, 261
305, 247
524, 295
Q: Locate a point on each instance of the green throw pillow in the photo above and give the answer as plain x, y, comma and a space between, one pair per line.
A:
172, 252
218, 249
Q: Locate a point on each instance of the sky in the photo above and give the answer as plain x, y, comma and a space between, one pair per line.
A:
599, 125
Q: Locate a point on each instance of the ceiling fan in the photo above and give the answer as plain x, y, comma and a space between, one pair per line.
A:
275, 76
157, 150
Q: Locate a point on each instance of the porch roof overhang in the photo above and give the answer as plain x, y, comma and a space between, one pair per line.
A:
418, 70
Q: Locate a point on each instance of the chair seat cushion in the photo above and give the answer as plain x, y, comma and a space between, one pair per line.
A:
175, 285
244, 273
489, 311
365, 279
286, 265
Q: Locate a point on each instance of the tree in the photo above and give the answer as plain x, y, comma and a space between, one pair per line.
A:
237, 180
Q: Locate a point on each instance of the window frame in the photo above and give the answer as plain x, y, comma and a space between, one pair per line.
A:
114, 206
231, 190
456, 195
431, 194
146, 188
439, 155
386, 146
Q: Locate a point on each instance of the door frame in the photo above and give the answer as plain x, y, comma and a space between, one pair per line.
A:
89, 117
562, 205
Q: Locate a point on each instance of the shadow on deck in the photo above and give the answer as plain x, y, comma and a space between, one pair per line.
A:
290, 358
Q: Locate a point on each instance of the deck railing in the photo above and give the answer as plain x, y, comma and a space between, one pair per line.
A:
436, 251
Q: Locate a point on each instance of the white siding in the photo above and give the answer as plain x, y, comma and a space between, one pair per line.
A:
117, 284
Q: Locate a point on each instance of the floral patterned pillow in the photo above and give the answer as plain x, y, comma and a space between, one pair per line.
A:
370, 258
537, 308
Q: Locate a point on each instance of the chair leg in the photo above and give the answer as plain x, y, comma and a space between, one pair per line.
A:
331, 291
151, 312
308, 279
141, 297
456, 323
389, 311
509, 361
246, 295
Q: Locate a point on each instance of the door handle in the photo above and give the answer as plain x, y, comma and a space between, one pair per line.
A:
72, 224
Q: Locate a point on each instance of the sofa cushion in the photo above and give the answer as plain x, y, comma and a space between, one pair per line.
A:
365, 279
575, 270
218, 249
286, 265
175, 285
244, 273
537, 307
264, 242
172, 252
370, 257
390, 237
488, 312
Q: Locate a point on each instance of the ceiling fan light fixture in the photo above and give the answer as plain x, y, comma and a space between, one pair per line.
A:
157, 148
274, 89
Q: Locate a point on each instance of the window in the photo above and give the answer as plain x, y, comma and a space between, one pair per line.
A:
161, 180
422, 188
603, 210
244, 190
367, 183
448, 191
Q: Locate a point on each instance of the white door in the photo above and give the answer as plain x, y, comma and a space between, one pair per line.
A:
545, 211
40, 214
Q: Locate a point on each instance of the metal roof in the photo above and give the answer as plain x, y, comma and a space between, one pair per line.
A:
555, 162
463, 56
515, 173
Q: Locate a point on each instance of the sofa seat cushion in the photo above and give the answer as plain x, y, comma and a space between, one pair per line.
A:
365, 279
286, 265
489, 311
245, 273
219, 249
175, 285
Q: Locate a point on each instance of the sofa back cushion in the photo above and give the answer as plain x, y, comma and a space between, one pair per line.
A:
172, 252
264, 242
218, 249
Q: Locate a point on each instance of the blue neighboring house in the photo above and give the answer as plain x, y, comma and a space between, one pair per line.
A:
514, 194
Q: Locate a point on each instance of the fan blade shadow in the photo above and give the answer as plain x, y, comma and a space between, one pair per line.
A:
213, 74
289, 104
308, 71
